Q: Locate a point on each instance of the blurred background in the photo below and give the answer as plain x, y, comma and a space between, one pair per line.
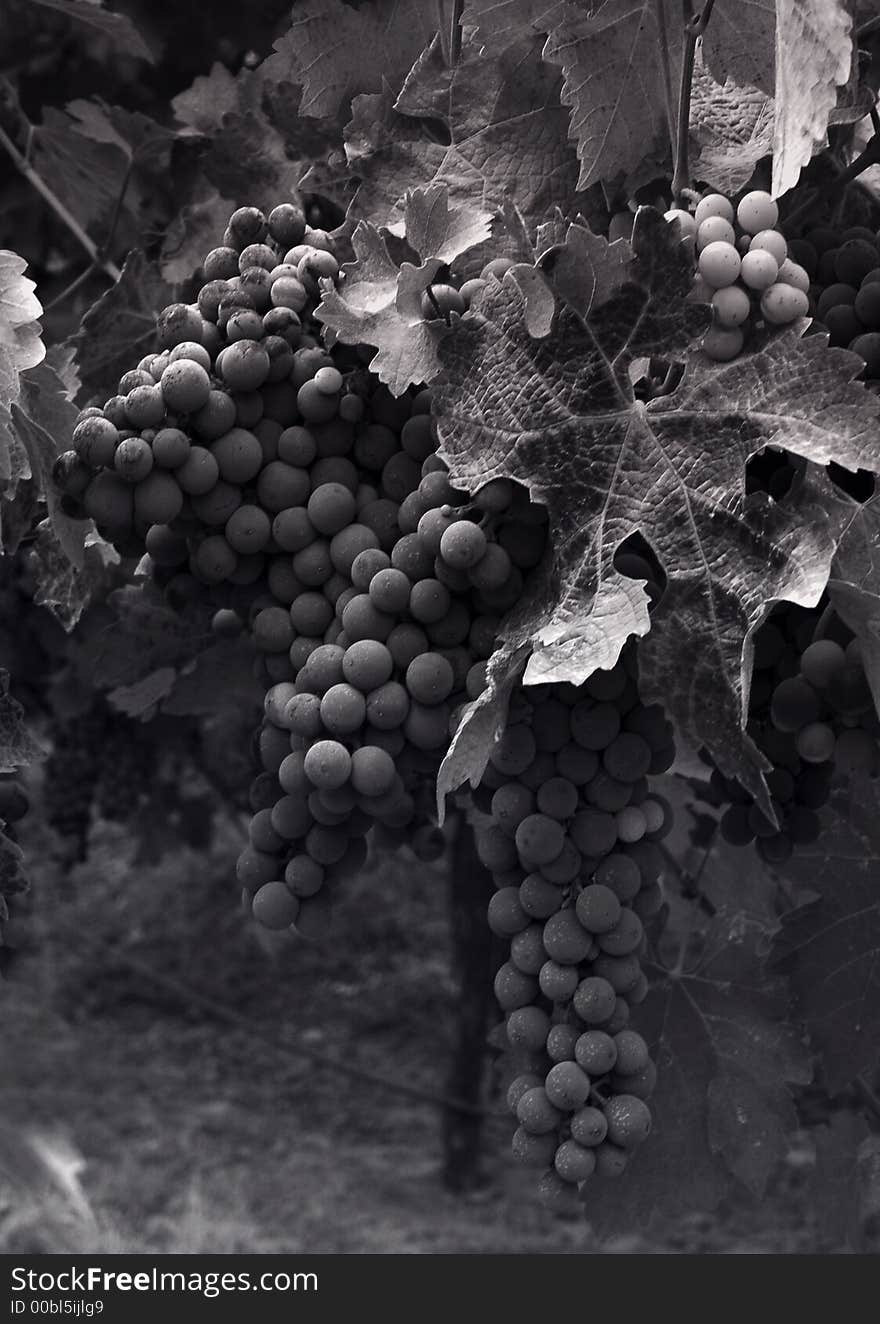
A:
171, 1081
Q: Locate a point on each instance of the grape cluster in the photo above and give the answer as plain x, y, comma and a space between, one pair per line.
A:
745, 270
280, 480
845, 272
812, 714
571, 841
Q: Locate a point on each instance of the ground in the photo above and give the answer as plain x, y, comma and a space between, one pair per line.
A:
174, 1128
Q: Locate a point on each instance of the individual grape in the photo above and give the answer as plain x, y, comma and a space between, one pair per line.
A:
558, 798
331, 508
783, 303
594, 1000
687, 222
539, 898
565, 940
373, 772
429, 678
594, 832
567, 1086
514, 989
274, 906
625, 937
536, 1150
527, 1028
816, 742
343, 709
463, 545
731, 307
721, 344
790, 273
632, 1053
719, 263
539, 839
773, 242
855, 259
596, 1052
561, 1041
757, 211
821, 661
759, 269
867, 305
594, 726
629, 1121
527, 948
536, 1114
867, 346
714, 230
557, 982
713, 204
589, 1127
794, 704
328, 764
598, 907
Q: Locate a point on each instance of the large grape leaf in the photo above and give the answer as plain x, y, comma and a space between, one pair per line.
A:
830, 946
117, 28
726, 1058
20, 332
143, 635
740, 43
64, 587
732, 129
503, 134
854, 586
379, 301
220, 679
18, 748
559, 416
121, 327
336, 52
813, 57
44, 418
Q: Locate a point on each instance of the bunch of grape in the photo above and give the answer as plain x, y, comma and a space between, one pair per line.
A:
845, 271
571, 840
812, 714
744, 269
307, 503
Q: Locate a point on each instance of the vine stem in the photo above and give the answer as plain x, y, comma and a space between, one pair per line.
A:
694, 27
450, 31
870, 156
663, 44
36, 181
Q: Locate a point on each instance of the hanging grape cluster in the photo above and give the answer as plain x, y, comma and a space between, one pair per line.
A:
811, 713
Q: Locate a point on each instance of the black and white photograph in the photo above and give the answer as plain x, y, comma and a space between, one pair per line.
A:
439, 640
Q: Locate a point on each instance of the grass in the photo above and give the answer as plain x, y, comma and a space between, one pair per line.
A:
170, 1131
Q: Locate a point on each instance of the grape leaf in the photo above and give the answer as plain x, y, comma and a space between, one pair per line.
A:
121, 327
615, 83
732, 128
813, 57
726, 1059
854, 586
201, 106
44, 418
137, 136
831, 945
379, 301
20, 332
740, 43
219, 679
18, 748
336, 52
142, 699
64, 588
192, 234
144, 635
837, 1180
86, 174
117, 28
559, 415
504, 22
506, 136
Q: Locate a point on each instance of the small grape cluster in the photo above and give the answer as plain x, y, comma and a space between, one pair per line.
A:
280, 480
812, 714
845, 271
744, 270
571, 840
